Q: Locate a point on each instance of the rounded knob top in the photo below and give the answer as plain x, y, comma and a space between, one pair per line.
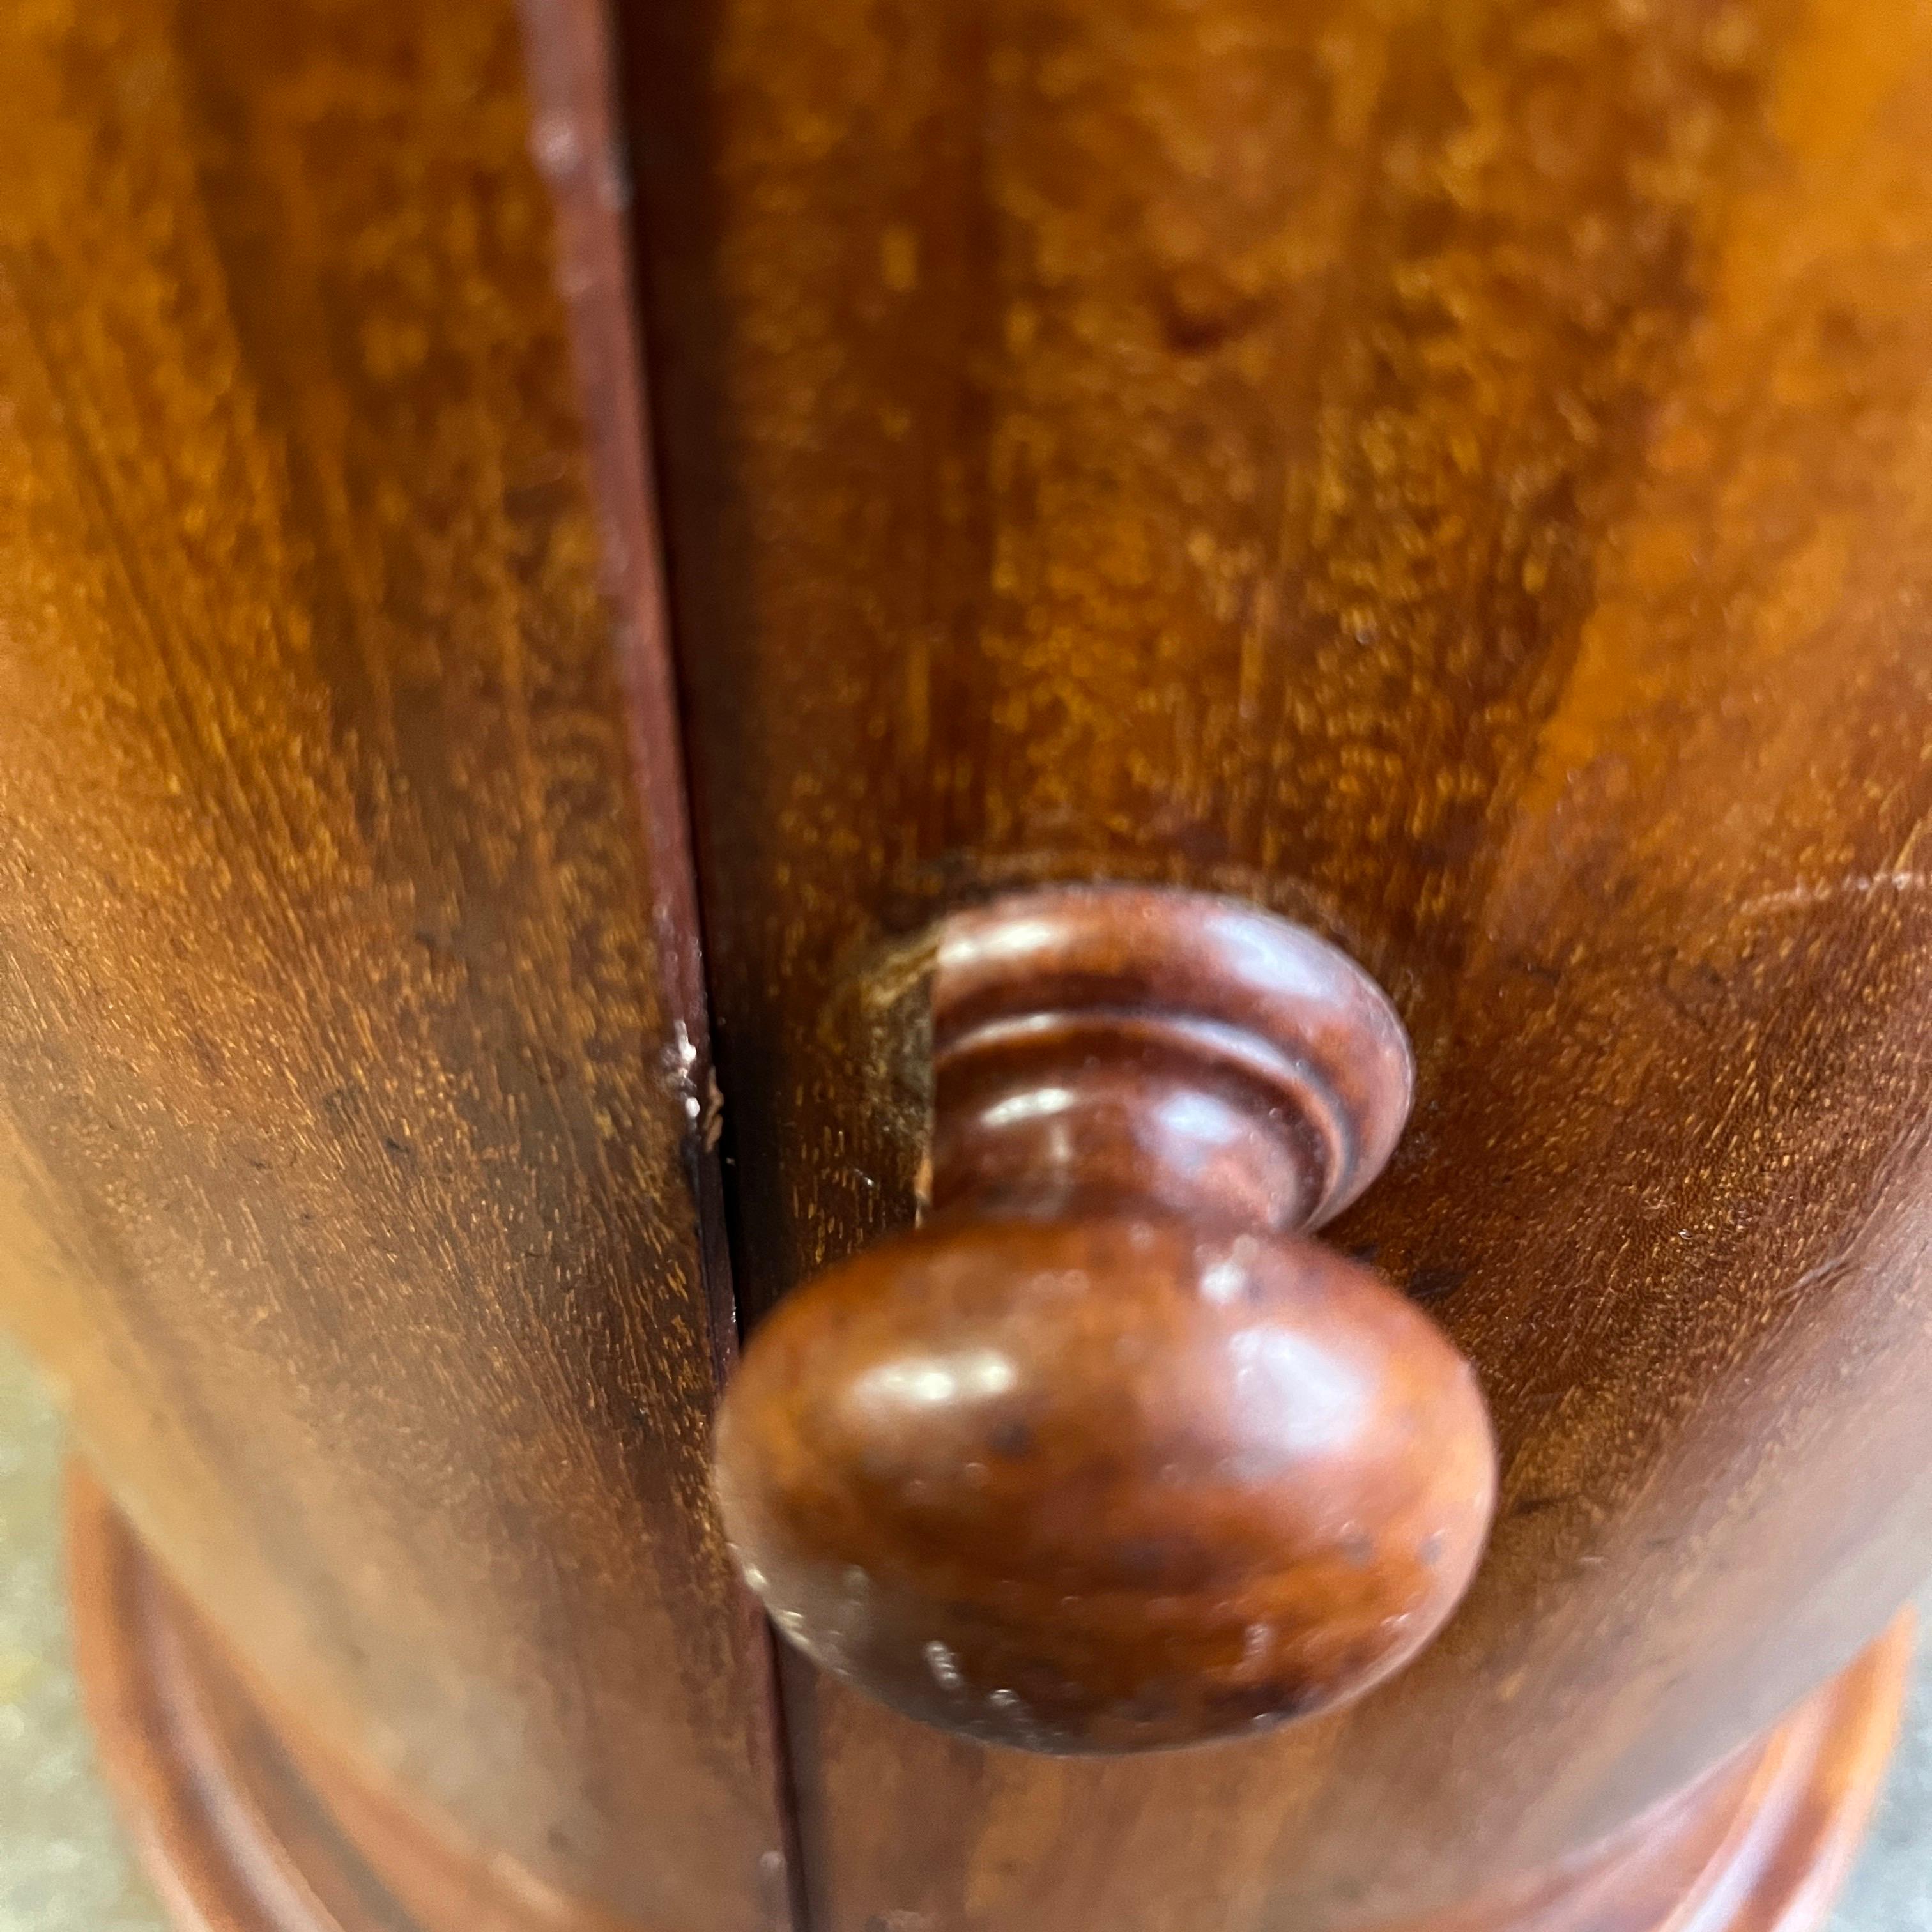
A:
1107, 1456
1105, 1484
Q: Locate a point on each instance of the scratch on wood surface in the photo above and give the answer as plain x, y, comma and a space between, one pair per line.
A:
1861, 886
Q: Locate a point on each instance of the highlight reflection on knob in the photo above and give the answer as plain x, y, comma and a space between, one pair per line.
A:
1106, 1455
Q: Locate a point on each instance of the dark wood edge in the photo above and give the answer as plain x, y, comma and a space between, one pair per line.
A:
577, 142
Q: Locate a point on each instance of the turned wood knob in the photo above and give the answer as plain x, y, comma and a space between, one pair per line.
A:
1106, 1455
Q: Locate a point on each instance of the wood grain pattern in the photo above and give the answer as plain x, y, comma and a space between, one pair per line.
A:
351, 1059
1460, 475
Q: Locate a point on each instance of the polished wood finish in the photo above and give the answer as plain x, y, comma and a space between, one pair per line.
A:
1459, 476
1760, 1844
1100, 1045
353, 1178
245, 1827
1105, 1457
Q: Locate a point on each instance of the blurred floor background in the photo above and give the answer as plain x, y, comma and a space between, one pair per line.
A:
64, 1868
63, 1865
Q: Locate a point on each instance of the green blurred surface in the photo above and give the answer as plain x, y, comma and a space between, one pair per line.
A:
64, 1865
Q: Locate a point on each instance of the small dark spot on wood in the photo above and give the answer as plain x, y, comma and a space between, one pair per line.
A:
1142, 1558
1431, 1284
1535, 1505
1201, 311
1151, 1706
538, 500
1841, 331
397, 1150
1292, 1700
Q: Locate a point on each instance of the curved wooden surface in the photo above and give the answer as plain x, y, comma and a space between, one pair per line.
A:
1760, 1844
1034, 997
246, 1829
1459, 475
1106, 1485
242, 1821
353, 1076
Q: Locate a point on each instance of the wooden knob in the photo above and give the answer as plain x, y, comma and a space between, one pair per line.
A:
1105, 1456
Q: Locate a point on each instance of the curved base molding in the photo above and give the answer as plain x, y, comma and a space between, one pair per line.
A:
242, 1831
1760, 1844
241, 1826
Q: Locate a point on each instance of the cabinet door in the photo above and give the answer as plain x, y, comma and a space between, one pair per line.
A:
351, 1172
1459, 476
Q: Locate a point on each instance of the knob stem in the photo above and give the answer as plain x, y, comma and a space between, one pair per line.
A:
1189, 1054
